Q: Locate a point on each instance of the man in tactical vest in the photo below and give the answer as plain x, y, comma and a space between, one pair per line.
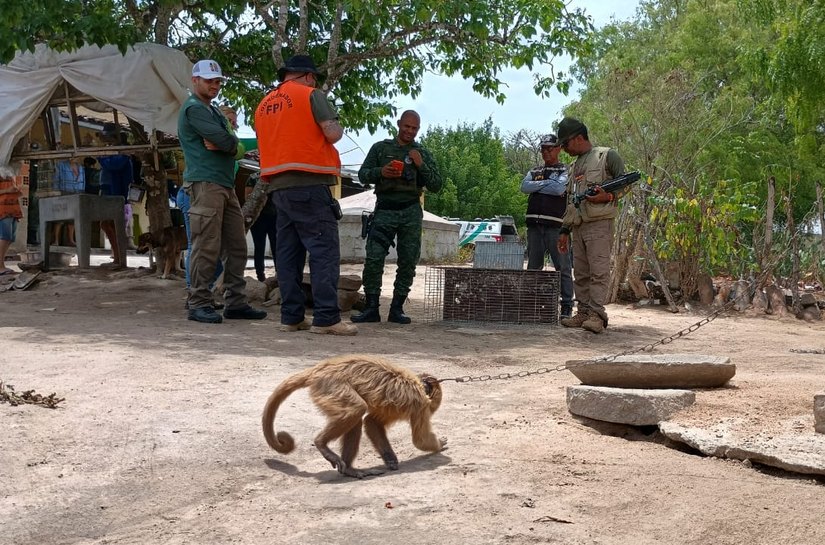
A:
590, 223
400, 169
547, 187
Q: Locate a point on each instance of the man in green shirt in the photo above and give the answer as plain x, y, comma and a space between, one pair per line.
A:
400, 169
216, 222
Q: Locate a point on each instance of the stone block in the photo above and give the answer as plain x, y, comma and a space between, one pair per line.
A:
347, 298
351, 282
655, 371
636, 407
799, 453
255, 291
819, 413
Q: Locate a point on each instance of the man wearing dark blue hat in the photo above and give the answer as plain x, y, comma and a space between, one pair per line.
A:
590, 225
296, 128
546, 186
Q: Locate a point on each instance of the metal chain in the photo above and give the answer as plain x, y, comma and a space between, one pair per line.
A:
566, 366
502, 376
646, 348
667, 340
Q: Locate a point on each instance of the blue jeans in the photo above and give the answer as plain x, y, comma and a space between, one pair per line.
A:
541, 240
307, 225
183, 202
8, 229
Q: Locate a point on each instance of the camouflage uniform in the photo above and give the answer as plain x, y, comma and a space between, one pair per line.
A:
398, 212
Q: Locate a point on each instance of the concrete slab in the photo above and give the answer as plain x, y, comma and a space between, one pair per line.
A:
796, 453
655, 371
637, 407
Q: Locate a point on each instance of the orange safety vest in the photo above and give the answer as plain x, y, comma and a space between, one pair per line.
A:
288, 136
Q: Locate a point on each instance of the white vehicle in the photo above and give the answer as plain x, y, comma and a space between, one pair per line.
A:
499, 229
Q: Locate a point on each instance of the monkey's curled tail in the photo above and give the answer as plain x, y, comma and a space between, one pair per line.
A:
281, 441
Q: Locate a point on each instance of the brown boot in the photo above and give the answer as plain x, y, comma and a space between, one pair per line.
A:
340, 328
594, 323
291, 328
575, 321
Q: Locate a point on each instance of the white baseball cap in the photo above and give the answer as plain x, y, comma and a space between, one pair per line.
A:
207, 69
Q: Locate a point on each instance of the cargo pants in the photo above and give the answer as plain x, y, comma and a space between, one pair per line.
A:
592, 245
399, 227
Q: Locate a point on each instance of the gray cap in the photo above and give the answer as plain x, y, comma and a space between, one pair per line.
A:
549, 140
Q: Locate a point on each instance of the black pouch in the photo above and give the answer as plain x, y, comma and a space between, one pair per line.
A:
366, 223
336, 209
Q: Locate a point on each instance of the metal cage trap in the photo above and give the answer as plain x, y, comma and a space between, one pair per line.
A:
491, 296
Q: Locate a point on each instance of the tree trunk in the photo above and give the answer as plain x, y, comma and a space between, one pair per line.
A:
622, 252
154, 178
254, 203
704, 285
635, 266
794, 254
157, 199
157, 196
767, 267
657, 270
820, 206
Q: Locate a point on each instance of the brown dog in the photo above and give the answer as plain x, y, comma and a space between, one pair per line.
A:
170, 243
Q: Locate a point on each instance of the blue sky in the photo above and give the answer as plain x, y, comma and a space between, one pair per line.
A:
446, 102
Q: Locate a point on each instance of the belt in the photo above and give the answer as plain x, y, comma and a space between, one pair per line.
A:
395, 206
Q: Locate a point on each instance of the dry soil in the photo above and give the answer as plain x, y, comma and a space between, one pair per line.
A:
159, 438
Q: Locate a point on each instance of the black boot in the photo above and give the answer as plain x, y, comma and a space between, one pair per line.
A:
370, 313
397, 310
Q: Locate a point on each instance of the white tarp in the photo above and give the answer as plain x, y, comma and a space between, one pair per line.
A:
148, 84
355, 204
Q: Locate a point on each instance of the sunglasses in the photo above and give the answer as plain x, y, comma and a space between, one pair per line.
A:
567, 141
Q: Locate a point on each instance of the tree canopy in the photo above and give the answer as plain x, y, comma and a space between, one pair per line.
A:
371, 51
477, 179
681, 92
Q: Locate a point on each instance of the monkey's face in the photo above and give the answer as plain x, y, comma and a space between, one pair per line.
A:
433, 388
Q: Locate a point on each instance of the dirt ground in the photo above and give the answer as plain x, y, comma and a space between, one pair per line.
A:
159, 438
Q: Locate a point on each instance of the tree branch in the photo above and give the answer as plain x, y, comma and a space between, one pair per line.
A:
334, 44
303, 27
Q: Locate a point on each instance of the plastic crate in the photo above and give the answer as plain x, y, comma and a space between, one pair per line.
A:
499, 255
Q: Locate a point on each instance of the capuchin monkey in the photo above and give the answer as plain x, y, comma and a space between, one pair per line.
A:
356, 390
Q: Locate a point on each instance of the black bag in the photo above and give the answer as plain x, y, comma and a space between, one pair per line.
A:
336, 209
